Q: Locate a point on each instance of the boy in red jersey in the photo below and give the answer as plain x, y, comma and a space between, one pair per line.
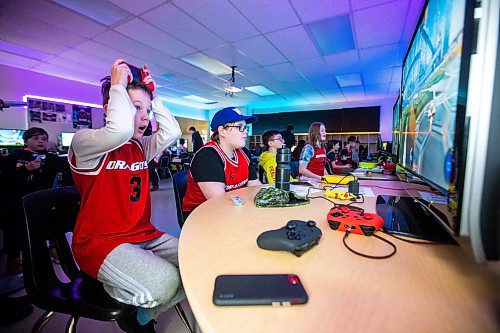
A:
114, 240
222, 164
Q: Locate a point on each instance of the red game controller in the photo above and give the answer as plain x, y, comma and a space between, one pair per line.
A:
354, 219
138, 74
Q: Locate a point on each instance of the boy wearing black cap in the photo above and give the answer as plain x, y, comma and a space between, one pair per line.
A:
346, 155
222, 164
29, 170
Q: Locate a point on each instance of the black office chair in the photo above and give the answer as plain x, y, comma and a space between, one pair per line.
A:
164, 167
179, 180
49, 215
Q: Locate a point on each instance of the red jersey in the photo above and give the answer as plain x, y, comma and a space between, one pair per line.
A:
317, 163
103, 224
236, 176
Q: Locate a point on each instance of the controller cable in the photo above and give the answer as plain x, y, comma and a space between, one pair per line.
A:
412, 241
394, 249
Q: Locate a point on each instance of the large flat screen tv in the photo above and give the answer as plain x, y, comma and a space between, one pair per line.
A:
11, 138
433, 94
396, 116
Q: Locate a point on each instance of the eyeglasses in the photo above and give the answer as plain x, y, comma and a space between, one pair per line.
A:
278, 138
241, 128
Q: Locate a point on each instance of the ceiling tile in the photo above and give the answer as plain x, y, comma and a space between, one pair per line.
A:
380, 25
259, 12
32, 41
46, 12
220, 17
354, 93
320, 9
344, 62
376, 91
150, 35
284, 72
17, 59
287, 41
361, 4
397, 75
182, 27
260, 50
379, 76
311, 67
101, 11
137, 7
230, 56
333, 96
325, 82
24, 51
314, 97
412, 18
378, 57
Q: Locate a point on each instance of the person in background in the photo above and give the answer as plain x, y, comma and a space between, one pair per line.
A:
114, 240
294, 164
346, 155
332, 148
333, 158
29, 170
153, 164
181, 149
313, 157
222, 164
288, 136
273, 140
196, 139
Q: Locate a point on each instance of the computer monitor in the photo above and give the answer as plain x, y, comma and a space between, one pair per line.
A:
11, 138
66, 138
396, 116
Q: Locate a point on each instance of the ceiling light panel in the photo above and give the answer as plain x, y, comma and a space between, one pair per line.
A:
294, 43
333, 35
199, 99
349, 80
259, 12
380, 25
207, 64
182, 27
100, 11
150, 35
220, 17
260, 90
321, 9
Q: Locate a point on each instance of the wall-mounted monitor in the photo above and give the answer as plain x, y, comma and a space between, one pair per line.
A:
11, 138
66, 138
396, 116
434, 69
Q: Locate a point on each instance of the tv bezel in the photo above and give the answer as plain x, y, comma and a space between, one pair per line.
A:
467, 38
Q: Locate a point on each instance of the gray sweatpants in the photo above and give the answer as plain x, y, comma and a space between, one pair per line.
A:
144, 274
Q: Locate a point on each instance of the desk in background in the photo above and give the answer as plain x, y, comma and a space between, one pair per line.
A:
422, 288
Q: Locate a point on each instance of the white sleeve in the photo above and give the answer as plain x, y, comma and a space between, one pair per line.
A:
89, 145
167, 134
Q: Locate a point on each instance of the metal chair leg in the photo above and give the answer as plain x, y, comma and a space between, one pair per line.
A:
42, 321
71, 325
182, 315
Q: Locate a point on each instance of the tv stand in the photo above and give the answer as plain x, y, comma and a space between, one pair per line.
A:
408, 216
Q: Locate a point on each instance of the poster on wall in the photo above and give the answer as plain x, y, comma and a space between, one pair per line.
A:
49, 116
35, 116
82, 117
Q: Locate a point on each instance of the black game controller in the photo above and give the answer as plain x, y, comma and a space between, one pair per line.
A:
296, 237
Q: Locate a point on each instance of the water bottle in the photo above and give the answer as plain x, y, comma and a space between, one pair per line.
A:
283, 158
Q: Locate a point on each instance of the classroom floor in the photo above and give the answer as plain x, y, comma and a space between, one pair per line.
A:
164, 218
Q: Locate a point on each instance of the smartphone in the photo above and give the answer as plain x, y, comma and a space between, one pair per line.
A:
267, 289
136, 72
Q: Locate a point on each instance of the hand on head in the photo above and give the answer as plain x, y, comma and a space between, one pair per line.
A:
120, 73
149, 79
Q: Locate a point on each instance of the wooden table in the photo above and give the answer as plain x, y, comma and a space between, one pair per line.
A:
422, 288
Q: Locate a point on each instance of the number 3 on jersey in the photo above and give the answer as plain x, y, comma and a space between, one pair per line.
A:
136, 189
